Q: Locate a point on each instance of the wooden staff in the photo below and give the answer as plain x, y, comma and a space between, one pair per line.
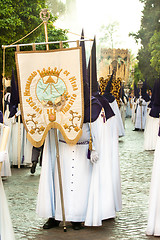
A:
141, 116
140, 84
19, 139
19, 130
44, 15
4, 141
60, 180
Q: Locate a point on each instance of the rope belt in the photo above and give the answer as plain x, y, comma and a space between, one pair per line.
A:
78, 143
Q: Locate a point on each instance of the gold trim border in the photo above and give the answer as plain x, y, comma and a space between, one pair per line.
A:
51, 125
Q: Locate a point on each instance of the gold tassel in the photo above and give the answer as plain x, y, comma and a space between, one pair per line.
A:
90, 144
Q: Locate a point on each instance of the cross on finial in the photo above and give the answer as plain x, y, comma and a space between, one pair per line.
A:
45, 15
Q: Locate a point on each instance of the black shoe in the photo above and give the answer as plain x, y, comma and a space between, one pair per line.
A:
51, 223
136, 129
76, 225
33, 168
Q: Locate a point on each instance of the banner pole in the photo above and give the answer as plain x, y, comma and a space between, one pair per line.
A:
60, 180
19, 131
19, 139
45, 15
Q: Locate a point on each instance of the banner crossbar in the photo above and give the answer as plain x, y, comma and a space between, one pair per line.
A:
44, 43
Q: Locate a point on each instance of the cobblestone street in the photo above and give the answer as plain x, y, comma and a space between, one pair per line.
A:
136, 167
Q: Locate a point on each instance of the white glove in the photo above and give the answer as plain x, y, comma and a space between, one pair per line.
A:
94, 156
3, 156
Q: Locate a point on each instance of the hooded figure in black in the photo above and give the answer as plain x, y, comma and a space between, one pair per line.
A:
14, 100
145, 95
105, 187
153, 93
155, 110
96, 105
107, 93
152, 120
136, 92
76, 168
95, 89
113, 103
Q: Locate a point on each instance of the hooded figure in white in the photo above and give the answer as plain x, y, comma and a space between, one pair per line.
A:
153, 223
87, 197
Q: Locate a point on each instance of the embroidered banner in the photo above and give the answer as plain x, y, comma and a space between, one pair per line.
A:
51, 93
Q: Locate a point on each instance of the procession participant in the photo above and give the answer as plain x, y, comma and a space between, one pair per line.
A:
134, 103
141, 111
14, 113
76, 171
5, 169
153, 221
123, 105
36, 154
145, 95
105, 189
6, 229
129, 104
152, 122
7, 97
140, 120
113, 103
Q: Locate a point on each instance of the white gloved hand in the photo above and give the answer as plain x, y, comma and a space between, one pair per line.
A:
3, 156
94, 156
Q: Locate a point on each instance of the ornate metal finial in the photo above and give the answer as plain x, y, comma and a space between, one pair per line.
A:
45, 15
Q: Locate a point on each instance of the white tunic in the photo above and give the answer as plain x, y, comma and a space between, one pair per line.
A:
76, 173
14, 145
140, 120
153, 226
151, 132
114, 106
105, 191
6, 229
27, 150
92, 192
134, 105
6, 169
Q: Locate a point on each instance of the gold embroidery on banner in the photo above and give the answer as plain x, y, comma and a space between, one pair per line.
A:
35, 127
38, 143
28, 83
51, 115
73, 125
33, 105
49, 72
66, 72
70, 103
73, 83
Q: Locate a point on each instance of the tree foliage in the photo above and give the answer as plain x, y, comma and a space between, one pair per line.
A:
137, 74
154, 47
53, 35
108, 34
56, 7
18, 18
149, 24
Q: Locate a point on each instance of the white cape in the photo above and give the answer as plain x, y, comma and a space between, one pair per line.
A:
141, 113
6, 229
91, 192
114, 106
153, 226
105, 190
151, 132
